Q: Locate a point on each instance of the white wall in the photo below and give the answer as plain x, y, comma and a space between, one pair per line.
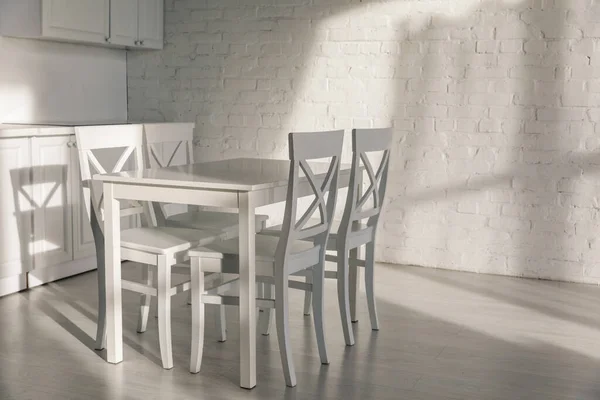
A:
495, 105
56, 82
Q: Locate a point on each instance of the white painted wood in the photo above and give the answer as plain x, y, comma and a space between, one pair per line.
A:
164, 311
16, 214
238, 174
162, 247
150, 24
358, 227
148, 279
83, 238
51, 202
124, 22
175, 186
361, 216
112, 271
41, 276
301, 247
247, 310
197, 316
13, 284
77, 20
171, 144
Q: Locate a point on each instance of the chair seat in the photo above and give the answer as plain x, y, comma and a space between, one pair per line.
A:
215, 221
276, 229
165, 240
357, 238
265, 248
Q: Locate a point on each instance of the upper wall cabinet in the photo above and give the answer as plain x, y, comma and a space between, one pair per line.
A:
137, 23
117, 23
77, 20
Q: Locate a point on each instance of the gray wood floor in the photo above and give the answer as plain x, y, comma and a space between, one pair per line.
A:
445, 335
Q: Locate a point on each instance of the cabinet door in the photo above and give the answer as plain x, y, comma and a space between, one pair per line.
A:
78, 20
16, 213
124, 22
151, 23
52, 224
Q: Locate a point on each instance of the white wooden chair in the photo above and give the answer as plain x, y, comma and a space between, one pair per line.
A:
171, 144
299, 251
358, 226
158, 248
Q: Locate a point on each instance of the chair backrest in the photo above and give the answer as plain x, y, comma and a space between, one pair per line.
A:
126, 141
323, 184
168, 144
358, 208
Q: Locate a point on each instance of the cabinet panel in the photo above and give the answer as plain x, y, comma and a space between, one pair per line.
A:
151, 23
51, 172
124, 22
79, 20
16, 212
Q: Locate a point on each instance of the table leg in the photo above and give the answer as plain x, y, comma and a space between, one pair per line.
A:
247, 259
112, 252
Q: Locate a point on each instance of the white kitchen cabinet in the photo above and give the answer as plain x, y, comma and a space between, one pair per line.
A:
52, 187
137, 23
151, 24
124, 22
118, 23
16, 217
77, 20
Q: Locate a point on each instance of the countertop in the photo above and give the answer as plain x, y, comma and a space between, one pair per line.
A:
51, 129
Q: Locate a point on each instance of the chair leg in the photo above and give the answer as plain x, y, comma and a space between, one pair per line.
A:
266, 316
318, 281
283, 331
101, 330
99, 244
343, 296
369, 277
353, 284
308, 296
164, 311
147, 278
221, 323
197, 315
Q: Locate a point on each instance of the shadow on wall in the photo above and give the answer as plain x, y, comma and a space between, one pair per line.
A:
481, 94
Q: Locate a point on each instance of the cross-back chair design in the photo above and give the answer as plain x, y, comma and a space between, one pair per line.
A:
358, 226
158, 248
169, 145
299, 251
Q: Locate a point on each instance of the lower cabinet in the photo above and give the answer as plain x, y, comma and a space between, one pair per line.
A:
56, 210
16, 218
45, 232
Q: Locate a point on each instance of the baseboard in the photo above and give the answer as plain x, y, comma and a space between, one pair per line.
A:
13, 284
41, 276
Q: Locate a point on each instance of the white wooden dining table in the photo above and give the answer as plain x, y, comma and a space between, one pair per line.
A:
243, 184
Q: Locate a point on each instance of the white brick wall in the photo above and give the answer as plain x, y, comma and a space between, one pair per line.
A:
495, 103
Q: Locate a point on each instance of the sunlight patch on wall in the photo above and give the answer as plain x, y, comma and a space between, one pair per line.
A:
16, 103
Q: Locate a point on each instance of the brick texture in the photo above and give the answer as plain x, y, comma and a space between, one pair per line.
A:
494, 103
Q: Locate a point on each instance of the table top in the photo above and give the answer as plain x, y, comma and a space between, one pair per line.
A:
238, 174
